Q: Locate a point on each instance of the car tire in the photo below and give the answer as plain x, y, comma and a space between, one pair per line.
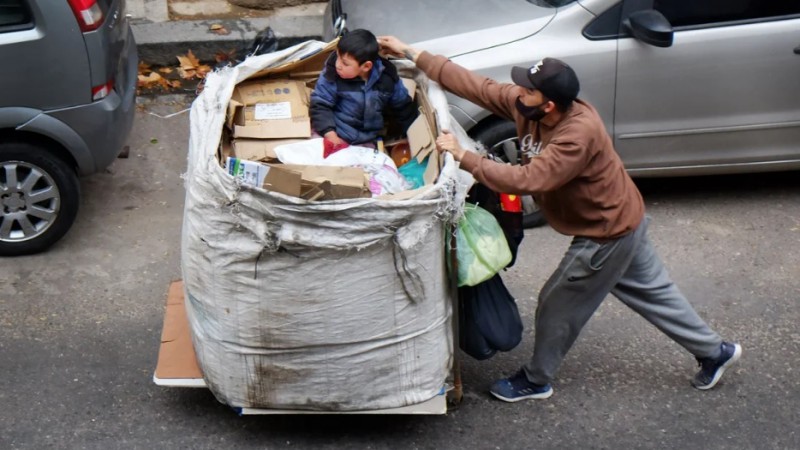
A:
502, 144
39, 198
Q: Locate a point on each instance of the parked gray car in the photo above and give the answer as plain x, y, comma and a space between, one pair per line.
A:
686, 87
66, 109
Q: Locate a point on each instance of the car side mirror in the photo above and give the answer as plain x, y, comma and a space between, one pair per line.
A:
650, 27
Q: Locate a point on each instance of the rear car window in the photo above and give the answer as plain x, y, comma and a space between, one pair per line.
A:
13, 13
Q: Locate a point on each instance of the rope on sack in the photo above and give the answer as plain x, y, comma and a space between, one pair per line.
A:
272, 244
404, 271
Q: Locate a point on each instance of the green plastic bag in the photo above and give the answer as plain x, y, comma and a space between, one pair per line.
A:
482, 249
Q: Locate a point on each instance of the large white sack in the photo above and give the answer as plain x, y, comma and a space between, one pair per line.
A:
335, 305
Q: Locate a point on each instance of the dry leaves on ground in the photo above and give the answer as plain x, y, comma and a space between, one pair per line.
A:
190, 67
189, 74
149, 79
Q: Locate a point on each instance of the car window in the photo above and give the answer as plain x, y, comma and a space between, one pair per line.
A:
13, 13
709, 12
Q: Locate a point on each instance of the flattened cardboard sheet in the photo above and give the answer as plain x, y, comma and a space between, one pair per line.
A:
176, 358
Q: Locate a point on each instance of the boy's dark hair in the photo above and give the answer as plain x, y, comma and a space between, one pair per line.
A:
360, 44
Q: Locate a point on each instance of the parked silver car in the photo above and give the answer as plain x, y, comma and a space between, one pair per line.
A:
686, 87
66, 109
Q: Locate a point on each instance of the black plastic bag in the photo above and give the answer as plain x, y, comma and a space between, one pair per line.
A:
489, 319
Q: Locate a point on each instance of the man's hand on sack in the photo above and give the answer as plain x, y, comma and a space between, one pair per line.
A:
447, 142
391, 46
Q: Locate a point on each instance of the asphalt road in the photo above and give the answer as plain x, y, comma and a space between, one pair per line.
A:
80, 328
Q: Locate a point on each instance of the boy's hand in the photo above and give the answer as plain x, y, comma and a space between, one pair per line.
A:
333, 137
448, 142
392, 46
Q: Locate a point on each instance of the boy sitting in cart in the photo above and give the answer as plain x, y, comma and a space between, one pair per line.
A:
354, 89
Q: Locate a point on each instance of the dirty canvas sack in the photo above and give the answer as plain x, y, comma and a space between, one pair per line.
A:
336, 305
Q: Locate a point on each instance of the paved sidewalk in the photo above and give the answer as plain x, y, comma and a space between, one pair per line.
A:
166, 28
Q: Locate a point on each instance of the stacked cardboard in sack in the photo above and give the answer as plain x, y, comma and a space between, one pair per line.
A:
272, 108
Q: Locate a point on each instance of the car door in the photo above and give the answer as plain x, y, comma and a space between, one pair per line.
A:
726, 93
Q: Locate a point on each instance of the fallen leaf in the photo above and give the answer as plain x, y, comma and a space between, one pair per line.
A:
154, 141
186, 74
149, 81
166, 70
203, 70
219, 29
188, 61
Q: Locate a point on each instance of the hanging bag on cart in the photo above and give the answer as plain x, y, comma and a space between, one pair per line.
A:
481, 246
489, 319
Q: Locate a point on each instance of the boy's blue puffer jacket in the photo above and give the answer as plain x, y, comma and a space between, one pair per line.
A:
354, 108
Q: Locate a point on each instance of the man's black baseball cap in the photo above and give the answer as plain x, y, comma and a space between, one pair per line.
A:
553, 77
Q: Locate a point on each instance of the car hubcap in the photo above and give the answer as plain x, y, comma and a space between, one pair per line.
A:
29, 199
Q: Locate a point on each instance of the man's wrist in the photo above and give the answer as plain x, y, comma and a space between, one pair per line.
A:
411, 54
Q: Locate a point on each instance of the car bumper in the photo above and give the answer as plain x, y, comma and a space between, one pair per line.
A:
105, 125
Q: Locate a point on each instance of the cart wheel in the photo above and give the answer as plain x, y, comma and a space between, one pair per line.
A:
454, 397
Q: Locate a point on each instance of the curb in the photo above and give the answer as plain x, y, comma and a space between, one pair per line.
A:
160, 42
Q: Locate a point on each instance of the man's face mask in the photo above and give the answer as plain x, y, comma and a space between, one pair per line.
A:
534, 113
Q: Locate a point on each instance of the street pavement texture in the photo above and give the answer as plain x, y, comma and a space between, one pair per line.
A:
80, 329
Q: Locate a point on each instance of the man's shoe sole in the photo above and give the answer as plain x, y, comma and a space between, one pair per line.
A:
737, 353
539, 396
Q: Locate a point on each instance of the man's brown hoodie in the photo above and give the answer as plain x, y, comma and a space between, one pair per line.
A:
577, 179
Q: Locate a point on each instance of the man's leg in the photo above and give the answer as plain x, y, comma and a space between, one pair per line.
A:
568, 299
647, 289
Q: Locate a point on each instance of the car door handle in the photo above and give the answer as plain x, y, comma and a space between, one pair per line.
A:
797, 50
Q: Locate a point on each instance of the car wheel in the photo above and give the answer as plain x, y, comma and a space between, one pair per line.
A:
502, 144
39, 198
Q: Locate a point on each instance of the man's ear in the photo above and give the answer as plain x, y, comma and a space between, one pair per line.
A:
367, 66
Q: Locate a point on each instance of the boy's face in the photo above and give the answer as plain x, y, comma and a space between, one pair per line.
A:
348, 68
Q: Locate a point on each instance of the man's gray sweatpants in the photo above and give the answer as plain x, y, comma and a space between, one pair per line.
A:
629, 268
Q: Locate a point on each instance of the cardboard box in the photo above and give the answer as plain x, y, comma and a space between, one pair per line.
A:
421, 140
270, 109
411, 86
276, 178
307, 182
345, 182
259, 149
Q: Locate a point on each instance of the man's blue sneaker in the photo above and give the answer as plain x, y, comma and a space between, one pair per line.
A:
517, 387
711, 369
